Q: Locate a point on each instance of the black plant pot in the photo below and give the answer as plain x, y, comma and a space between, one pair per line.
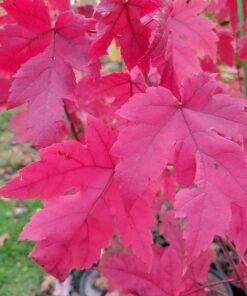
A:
218, 275
87, 279
87, 286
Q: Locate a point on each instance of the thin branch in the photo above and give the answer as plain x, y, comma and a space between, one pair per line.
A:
72, 125
209, 285
147, 80
232, 263
241, 258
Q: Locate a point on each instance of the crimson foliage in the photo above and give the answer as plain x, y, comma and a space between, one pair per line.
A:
159, 143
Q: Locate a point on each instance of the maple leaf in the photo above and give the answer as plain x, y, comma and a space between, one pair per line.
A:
119, 86
172, 232
186, 135
197, 271
70, 223
180, 37
67, 166
72, 166
27, 35
162, 128
209, 196
72, 40
43, 82
176, 57
102, 97
46, 79
87, 104
193, 30
70, 232
134, 231
123, 18
160, 125
166, 277
32, 14
126, 273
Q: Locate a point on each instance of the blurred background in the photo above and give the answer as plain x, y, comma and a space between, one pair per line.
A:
18, 275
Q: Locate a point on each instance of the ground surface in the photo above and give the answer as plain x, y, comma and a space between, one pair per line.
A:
19, 276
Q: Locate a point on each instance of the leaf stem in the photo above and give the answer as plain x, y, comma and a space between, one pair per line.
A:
241, 19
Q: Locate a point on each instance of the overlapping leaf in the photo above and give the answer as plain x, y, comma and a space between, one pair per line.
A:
27, 34
164, 129
166, 276
70, 232
121, 19
90, 169
180, 38
46, 79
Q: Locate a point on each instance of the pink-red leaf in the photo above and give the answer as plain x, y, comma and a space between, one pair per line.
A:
18, 44
44, 81
159, 123
193, 30
123, 18
73, 166
67, 166
32, 14
72, 39
207, 203
163, 129
127, 274
70, 232
181, 36
118, 87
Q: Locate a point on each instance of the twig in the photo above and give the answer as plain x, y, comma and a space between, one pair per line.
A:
211, 285
72, 125
232, 263
147, 80
241, 258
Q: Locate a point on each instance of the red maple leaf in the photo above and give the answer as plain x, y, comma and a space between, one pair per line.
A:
180, 38
123, 18
27, 34
46, 79
167, 275
71, 166
165, 129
